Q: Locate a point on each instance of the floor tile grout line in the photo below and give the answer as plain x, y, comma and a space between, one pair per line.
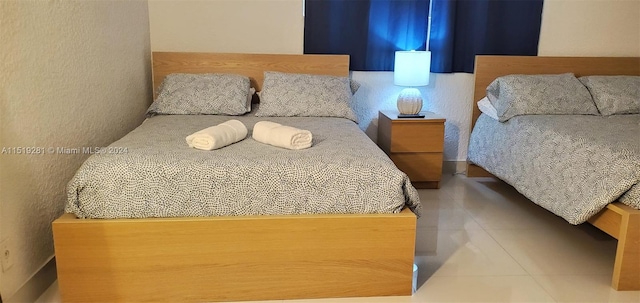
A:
544, 288
487, 230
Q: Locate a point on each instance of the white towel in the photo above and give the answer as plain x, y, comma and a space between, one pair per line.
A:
282, 136
218, 136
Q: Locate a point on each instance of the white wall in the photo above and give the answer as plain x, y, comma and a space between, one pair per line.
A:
248, 26
569, 28
74, 73
590, 28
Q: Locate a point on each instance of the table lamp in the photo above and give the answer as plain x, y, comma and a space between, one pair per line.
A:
411, 69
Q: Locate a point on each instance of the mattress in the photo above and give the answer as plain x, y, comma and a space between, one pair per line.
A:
153, 173
572, 165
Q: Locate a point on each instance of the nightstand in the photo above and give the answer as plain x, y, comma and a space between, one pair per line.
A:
415, 145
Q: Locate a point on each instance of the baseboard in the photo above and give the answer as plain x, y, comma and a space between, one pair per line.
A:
454, 167
36, 285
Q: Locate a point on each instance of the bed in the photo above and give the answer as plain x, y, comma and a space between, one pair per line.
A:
619, 216
236, 256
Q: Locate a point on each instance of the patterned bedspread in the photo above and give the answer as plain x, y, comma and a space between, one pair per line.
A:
571, 165
160, 176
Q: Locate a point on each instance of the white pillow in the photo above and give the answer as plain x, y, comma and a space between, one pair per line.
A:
487, 108
250, 97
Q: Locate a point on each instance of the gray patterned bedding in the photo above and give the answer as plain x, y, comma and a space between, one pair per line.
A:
572, 165
160, 176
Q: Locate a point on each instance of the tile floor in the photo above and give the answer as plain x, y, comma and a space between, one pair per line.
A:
481, 241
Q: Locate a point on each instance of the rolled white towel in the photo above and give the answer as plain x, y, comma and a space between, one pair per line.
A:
282, 136
218, 136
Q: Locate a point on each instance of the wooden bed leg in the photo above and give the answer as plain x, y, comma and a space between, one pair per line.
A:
626, 270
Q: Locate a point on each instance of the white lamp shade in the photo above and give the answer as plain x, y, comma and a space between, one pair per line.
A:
412, 68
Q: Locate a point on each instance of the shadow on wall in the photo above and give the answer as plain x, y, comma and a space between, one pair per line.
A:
372, 130
376, 92
451, 134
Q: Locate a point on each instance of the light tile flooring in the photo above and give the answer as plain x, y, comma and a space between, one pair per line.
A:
481, 241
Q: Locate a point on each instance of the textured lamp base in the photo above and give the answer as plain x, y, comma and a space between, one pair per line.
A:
409, 101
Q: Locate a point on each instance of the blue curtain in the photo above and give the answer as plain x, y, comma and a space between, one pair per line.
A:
370, 31
461, 29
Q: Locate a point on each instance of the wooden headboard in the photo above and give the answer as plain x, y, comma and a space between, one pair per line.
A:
250, 65
488, 68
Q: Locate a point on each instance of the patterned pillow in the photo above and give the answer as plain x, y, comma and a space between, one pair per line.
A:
301, 95
353, 85
614, 94
516, 95
203, 94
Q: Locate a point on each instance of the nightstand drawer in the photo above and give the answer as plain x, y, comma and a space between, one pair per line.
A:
415, 145
419, 166
417, 137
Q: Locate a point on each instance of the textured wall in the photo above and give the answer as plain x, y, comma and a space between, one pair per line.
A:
74, 74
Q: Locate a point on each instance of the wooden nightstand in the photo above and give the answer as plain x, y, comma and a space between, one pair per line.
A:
415, 145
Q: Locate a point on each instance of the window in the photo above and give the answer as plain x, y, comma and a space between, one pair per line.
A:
370, 31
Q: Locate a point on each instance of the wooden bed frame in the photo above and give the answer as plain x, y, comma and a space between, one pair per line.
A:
618, 220
236, 258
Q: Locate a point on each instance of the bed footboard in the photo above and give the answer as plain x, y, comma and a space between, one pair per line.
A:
623, 223
619, 221
234, 258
